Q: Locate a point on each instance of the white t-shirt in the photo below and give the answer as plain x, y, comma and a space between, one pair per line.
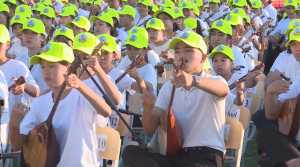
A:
272, 13
36, 72
5, 115
290, 67
204, 27
282, 26
74, 126
17, 49
200, 114
235, 76
16, 69
148, 73
83, 13
292, 93
4, 92
257, 20
140, 22
231, 110
281, 56
57, 5
122, 36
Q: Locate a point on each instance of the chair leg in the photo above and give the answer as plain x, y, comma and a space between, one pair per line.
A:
253, 130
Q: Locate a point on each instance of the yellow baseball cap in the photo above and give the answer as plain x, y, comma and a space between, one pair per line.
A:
206, 65
214, 1
190, 23
66, 11
166, 4
34, 25
234, 19
186, 5
222, 26
18, 19
64, 1
206, 39
177, 12
239, 11
64, 31
144, 2
10, 1
127, 10
297, 9
74, 7
80, 22
164, 10
103, 17
137, 40
46, 2
256, 4
198, 3
112, 12
38, 7
294, 36
290, 3
54, 52
154, 8
222, 49
85, 42
48, 11
23, 10
109, 42
4, 34
3, 7
292, 25
156, 24
138, 30
190, 38
95, 2
239, 3
248, 20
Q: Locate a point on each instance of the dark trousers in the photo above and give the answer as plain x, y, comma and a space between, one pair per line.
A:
260, 120
271, 56
134, 156
278, 146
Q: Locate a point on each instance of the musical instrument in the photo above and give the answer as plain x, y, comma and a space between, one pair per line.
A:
252, 19
41, 147
169, 132
21, 80
285, 78
137, 61
278, 38
263, 27
252, 74
250, 39
173, 35
246, 50
160, 66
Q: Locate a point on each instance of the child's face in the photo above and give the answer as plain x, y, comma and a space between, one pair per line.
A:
298, 14
65, 19
166, 20
53, 73
188, 13
125, 20
3, 18
155, 35
142, 9
179, 21
101, 27
132, 52
122, 3
32, 39
105, 59
222, 64
218, 38
214, 7
77, 30
36, 14
16, 28
295, 48
60, 39
46, 20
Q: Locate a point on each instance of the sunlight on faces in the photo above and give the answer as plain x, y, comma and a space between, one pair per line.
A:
289, 11
222, 64
188, 13
142, 10
106, 58
65, 19
32, 39
16, 28
295, 48
101, 27
53, 73
194, 57
214, 7
166, 20
113, 4
46, 20
155, 35
77, 30
125, 20
218, 38
60, 39
132, 51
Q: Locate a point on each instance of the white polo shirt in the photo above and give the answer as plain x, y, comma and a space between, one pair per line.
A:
282, 55
272, 13
231, 110
200, 114
282, 26
292, 93
290, 67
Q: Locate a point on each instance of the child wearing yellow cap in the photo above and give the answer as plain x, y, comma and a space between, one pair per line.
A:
84, 44
36, 10
63, 34
126, 20
4, 14
194, 25
18, 48
66, 14
14, 69
80, 108
12, 6
143, 9
47, 16
214, 11
79, 25
201, 89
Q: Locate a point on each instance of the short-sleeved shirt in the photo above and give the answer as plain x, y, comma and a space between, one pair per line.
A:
281, 56
17, 49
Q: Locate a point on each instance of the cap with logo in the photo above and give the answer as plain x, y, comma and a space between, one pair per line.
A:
3, 7
198, 3
4, 34
294, 36
239, 11
190, 23
234, 19
290, 3
46, 2
164, 10
71, 6
103, 17
23, 10
34, 25
18, 19
38, 7
80, 22
214, 1
292, 25
138, 30
222, 49
186, 5
95, 2
297, 9
256, 4
154, 8
196, 10
156, 24
144, 2
85, 42
64, 31
166, 4
112, 12
137, 40
177, 12
66, 11
54, 52
109, 42
191, 39
48, 11
127, 10
239, 3
222, 26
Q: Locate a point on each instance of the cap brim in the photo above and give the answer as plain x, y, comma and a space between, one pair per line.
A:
175, 41
154, 28
48, 15
93, 18
21, 31
159, 12
214, 53
143, 3
108, 49
132, 44
287, 32
83, 49
37, 59
218, 29
288, 43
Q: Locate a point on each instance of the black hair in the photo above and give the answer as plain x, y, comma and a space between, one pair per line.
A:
288, 50
210, 47
175, 26
270, 1
149, 10
7, 19
65, 63
199, 28
113, 30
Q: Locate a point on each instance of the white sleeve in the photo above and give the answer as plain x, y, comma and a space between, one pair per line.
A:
278, 62
123, 64
125, 84
277, 28
292, 93
4, 92
204, 27
151, 77
12, 51
30, 120
153, 58
164, 96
